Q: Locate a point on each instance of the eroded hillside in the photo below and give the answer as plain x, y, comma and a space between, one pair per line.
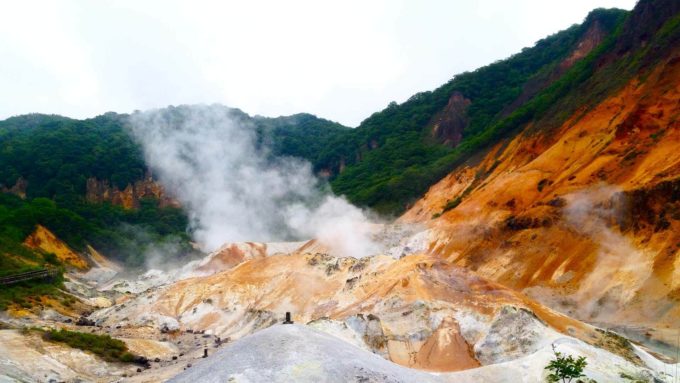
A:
584, 217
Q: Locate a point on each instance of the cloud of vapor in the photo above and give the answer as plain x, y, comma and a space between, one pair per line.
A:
621, 267
235, 190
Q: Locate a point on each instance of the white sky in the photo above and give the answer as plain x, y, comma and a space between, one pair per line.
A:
341, 60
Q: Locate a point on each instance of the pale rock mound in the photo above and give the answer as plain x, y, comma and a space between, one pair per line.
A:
294, 353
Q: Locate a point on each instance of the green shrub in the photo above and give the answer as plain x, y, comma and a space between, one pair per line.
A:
23, 293
452, 204
52, 259
109, 349
565, 368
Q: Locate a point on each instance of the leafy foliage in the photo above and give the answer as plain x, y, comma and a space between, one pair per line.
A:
56, 155
300, 135
17, 258
26, 294
565, 368
391, 158
452, 204
106, 227
109, 349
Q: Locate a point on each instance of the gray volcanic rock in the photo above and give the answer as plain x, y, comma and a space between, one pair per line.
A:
296, 353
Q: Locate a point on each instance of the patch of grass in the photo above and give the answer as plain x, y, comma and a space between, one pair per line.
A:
618, 345
632, 378
16, 258
25, 294
52, 259
452, 204
109, 349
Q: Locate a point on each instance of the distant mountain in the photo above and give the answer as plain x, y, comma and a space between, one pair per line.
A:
53, 156
86, 180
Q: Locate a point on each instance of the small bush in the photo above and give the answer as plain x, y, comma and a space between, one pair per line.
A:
565, 368
52, 259
22, 292
452, 204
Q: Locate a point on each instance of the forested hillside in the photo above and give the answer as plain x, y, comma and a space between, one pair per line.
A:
396, 154
48, 160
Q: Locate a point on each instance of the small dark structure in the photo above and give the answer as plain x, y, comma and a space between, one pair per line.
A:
83, 321
205, 352
288, 320
49, 273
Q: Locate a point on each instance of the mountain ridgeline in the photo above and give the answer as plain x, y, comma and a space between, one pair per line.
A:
396, 154
48, 164
386, 163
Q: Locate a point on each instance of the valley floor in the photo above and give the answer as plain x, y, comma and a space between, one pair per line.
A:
402, 316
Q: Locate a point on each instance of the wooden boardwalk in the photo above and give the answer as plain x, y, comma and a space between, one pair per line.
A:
29, 275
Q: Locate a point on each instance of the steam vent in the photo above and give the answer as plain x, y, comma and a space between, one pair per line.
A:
519, 222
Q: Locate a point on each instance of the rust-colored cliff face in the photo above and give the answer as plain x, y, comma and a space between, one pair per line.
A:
19, 188
102, 191
448, 126
585, 218
44, 240
590, 40
417, 311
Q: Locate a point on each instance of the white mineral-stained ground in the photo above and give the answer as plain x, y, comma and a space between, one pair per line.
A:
399, 316
295, 353
27, 358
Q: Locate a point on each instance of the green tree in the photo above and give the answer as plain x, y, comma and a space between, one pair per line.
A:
565, 368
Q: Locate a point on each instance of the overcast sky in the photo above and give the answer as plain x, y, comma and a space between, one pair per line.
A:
341, 60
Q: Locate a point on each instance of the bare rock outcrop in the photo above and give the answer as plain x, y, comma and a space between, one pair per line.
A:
129, 198
19, 188
449, 125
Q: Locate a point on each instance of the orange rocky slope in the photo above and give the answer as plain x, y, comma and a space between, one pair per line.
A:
585, 218
417, 311
44, 240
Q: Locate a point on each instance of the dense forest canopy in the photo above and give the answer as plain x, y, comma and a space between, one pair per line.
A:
55, 156
405, 161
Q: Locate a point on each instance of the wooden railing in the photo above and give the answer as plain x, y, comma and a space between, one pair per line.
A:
29, 275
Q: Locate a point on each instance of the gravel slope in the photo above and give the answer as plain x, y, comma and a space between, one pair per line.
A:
295, 353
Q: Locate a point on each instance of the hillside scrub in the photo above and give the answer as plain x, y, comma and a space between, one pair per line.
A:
405, 161
16, 258
48, 159
106, 227
109, 349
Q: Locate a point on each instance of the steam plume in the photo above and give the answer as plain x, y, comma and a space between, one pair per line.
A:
235, 190
621, 268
